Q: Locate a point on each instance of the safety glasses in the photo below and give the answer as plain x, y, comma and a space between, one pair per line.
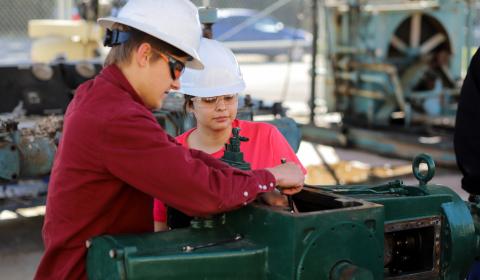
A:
176, 66
229, 99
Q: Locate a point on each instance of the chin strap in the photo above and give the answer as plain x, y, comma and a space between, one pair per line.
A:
115, 38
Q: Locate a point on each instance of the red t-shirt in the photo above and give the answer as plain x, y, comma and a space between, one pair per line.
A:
265, 148
112, 159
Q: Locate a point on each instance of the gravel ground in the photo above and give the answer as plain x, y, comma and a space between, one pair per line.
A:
20, 248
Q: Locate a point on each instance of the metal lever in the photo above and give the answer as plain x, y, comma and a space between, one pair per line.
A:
291, 207
190, 248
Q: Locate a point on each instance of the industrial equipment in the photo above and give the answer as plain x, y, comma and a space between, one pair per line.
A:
388, 231
397, 61
26, 157
64, 54
71, 39
397, 71
43, 89
391, 231
35, 95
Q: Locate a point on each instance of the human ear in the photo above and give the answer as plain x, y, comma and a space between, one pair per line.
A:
142, 54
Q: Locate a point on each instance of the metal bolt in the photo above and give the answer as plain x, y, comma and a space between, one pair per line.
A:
115, 253
187, 248
112, 253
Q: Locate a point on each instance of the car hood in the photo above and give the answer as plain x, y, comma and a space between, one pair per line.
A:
297, 34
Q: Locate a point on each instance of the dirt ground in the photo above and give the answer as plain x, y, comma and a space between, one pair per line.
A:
21, 247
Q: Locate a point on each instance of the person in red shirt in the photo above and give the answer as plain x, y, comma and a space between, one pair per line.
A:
211, 96
113, 156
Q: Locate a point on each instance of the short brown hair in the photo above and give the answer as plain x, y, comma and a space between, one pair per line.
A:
122, 53
187, 102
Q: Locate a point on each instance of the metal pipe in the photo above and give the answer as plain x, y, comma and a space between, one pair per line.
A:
313, 72
470, 17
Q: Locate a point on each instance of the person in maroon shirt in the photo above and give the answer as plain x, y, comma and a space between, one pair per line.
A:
114, 157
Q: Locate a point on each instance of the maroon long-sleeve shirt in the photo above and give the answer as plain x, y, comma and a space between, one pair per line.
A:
112, 159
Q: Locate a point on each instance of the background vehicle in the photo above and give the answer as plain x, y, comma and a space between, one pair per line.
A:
247, 31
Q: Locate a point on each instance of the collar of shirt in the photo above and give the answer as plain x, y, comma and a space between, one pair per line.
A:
114, 75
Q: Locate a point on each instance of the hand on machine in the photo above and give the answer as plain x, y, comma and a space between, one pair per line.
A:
289, 177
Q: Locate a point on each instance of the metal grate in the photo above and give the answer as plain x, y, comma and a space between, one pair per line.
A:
15, 14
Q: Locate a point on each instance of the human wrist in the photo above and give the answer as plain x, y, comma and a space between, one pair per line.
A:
275, 174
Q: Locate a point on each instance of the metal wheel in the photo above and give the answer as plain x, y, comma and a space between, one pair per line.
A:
418, 36
421, 51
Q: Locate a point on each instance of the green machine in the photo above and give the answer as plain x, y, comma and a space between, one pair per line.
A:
397, 61
389, 231
396, 67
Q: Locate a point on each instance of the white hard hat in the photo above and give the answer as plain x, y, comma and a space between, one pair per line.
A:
220, 76
172, 21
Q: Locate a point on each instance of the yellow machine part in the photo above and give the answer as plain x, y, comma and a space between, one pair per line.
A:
353, 172
71, 39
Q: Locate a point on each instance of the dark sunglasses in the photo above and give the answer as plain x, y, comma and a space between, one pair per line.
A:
176, 66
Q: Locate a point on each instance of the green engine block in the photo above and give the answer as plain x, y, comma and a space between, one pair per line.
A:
389, 231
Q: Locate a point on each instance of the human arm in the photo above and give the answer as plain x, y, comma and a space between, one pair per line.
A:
289, 177
137, 151
160, 226
467, 137
274, 198
159, 216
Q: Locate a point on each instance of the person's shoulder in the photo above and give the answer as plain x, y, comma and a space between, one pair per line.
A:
105, 100
262, 126
257, 129
182, 138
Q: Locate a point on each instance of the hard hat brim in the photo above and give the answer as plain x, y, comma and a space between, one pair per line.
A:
195, 63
